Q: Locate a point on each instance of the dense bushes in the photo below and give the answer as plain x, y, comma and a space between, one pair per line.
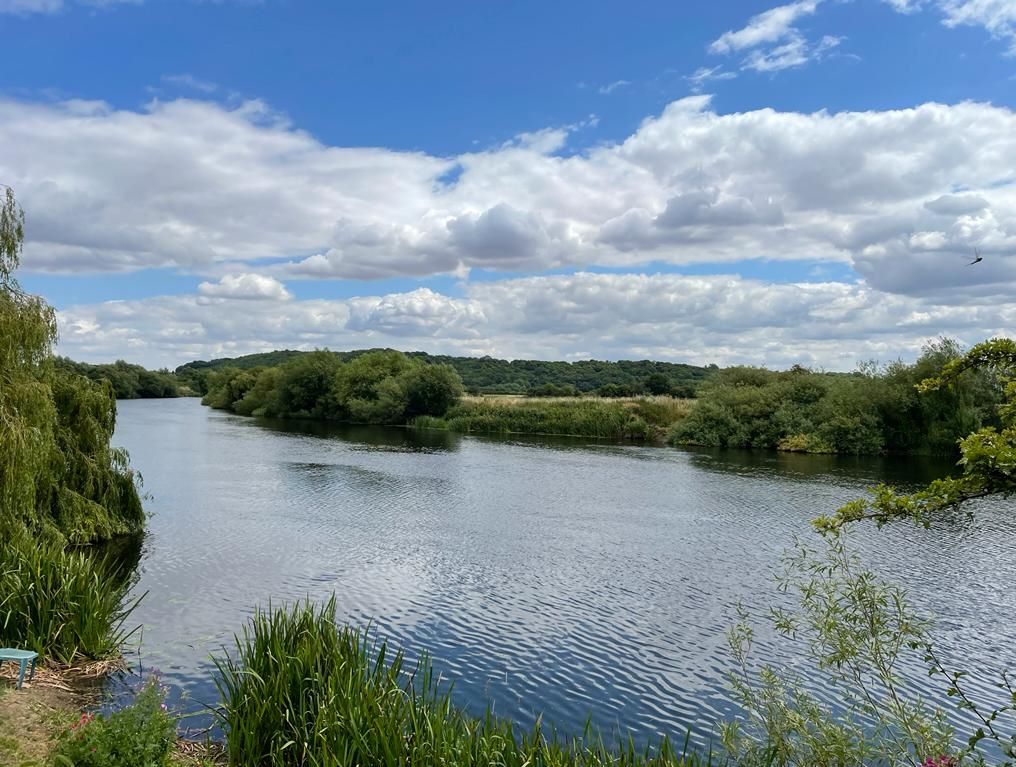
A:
384, 387
302, 691
874, 410
65, 604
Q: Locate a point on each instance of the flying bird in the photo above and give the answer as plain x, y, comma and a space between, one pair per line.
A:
977, 257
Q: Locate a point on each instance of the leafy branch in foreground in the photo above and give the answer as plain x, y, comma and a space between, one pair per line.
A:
856, 630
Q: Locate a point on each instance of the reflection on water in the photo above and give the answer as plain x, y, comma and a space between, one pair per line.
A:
551, 576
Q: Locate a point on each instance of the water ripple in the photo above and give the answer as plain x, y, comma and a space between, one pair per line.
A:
559, 578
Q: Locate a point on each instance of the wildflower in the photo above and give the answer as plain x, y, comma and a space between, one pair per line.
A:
942, 760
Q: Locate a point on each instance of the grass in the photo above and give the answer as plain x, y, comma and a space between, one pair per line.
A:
637, 418
300, 690
65, 604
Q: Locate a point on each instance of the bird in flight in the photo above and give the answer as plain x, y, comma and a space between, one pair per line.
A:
977, 257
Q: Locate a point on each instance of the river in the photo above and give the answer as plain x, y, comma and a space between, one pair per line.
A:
562, 577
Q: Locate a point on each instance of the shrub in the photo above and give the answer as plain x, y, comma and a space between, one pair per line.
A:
139, 735
63, 603
302, 691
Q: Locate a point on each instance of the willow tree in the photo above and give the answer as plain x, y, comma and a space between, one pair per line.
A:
59, 477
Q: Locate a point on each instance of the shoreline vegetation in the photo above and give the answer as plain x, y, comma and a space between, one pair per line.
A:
874, 410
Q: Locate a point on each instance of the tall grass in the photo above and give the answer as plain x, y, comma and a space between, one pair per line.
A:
300, 690
635, 419
65, 604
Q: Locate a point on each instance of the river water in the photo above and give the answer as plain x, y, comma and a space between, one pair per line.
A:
565, 578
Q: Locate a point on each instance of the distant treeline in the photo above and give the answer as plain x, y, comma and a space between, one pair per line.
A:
874, 410
129, 381
486, 375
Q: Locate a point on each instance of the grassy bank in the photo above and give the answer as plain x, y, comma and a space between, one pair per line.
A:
640, 419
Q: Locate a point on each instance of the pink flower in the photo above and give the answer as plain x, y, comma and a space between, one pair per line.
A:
943, 760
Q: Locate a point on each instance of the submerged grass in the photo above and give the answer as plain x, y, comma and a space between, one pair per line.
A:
65, 604
301, 690
643, 418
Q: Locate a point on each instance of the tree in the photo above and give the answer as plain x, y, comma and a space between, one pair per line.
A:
58, 474
657, 383
430, 390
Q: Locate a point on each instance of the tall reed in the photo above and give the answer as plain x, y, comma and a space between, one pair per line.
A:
66, 604
300, 690
635, 419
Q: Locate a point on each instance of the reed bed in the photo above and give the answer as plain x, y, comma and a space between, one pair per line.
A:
65, 604
300, 690
638, 419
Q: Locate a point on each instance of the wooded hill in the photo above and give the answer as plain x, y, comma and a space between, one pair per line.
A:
486, 375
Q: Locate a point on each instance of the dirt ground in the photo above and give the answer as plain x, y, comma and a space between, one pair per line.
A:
31, 719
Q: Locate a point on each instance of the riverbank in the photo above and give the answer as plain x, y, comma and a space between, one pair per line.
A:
34, 717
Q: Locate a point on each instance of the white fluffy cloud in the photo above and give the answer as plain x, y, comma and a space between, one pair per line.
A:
246, 286
770, 26
998, 17
199, 186
772, 42
722, 319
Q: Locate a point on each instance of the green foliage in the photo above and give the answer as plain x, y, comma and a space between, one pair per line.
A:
605, 419
857, 627
139, 735
856, 630
128, 381
988, 456
872, 411
65, 604
554, 390
302, 691
657, 383
383, 387
58, 475
491, 376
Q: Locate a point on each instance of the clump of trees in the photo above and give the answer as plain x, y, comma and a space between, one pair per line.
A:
128, 381
59, 477
381, 387
874, 410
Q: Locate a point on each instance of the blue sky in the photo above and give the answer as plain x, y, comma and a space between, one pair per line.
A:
214, 177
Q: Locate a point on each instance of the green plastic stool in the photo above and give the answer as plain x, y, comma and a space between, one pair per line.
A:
22, 658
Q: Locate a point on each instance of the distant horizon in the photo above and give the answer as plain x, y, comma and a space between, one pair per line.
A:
750, 182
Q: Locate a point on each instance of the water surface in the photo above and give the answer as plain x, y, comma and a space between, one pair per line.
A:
566, 578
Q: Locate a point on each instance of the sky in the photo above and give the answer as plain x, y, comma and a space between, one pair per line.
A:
707, 182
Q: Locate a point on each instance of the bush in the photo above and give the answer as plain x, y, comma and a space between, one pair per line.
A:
302, 691
64, 604
872, 411
140, 735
